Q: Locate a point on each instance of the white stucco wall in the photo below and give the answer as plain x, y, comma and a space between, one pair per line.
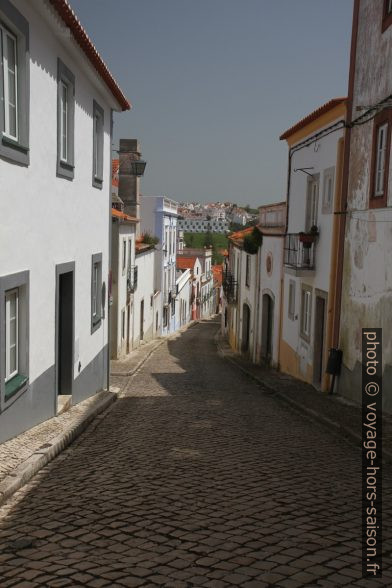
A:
145, 262
48, 220
321, 156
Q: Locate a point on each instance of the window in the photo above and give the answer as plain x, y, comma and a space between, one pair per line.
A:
96, 291
11, 334
291, 312
306, 309
387, 15
98, 120
65, 121
173, 306
165, 316
14, 84
380, 160
123, 324
124, 257
14, 337
328, 190
312, 203
247, 271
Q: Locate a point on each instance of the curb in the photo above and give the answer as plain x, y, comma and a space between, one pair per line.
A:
40, 458
315, 416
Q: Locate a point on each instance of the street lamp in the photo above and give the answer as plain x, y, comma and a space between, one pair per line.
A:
137, 167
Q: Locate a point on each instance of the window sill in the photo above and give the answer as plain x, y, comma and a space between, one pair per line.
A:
14, 150
65, 170
14, 385
95, 324
97, 182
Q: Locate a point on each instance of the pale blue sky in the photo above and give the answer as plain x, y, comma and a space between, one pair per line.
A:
213, 84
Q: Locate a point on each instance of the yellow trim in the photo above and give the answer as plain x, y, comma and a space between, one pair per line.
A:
325, 119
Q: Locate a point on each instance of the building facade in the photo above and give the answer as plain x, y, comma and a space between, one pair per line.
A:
159, 219
366, 270
54, 280
316, 147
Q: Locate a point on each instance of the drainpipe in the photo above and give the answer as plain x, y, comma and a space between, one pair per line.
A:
109, 256
343, 203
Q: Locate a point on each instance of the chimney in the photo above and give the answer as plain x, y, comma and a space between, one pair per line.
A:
129, 184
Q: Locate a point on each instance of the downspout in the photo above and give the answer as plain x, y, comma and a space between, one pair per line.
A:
335, 252
110, 257
344, 195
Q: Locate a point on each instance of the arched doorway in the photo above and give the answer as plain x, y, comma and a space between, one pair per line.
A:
245, 328
267, 328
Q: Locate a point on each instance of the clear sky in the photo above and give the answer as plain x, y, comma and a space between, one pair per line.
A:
214, 83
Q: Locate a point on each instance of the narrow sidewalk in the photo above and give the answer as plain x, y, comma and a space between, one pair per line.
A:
333, 411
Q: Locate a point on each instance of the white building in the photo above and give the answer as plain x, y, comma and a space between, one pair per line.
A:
147, 305
203, 225
159, 219
183, 298
204, 282
124, 283
55, 169
315, 161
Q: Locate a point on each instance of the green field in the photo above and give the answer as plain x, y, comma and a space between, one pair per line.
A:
216, 240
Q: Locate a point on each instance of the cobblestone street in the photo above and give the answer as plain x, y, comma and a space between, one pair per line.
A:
195, 476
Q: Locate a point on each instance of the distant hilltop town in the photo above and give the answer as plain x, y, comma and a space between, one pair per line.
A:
214, 217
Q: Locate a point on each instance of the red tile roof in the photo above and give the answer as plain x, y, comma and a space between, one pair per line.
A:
68, 16
121, 215
186, 262
238, 237
312, 116
217, 271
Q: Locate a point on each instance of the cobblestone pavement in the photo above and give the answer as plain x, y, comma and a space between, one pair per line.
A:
196, 476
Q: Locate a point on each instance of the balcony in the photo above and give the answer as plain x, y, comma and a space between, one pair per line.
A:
298, 256
230, 287
132, 278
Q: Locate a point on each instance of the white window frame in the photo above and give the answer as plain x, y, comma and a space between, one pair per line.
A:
64, 137
381, 150
95, 289
306, 311
312, 203
4, 36
328, 190
8, 374
124, 257
291, 301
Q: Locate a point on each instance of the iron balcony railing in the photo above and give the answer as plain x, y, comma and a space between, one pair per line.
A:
132, 278
230, 287
299, 255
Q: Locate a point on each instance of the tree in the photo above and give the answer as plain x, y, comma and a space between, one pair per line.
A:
208, 241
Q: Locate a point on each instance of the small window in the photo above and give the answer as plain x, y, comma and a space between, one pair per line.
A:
306, 309
124, 257
291, 300
312, 203
96, 291
11, 334
14, 84
247, 271
173, 306
123, 324
65, 121
14, 337
328, 190
98, 120
165, 313
380, 160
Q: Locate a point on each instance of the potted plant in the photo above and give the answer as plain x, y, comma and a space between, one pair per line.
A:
308, 238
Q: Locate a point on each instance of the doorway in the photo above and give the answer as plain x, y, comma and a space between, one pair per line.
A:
267, 328
319, 336
245, 328
141, 320
65, 311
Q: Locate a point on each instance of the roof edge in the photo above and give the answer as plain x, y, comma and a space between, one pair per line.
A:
69, 17
330, 105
